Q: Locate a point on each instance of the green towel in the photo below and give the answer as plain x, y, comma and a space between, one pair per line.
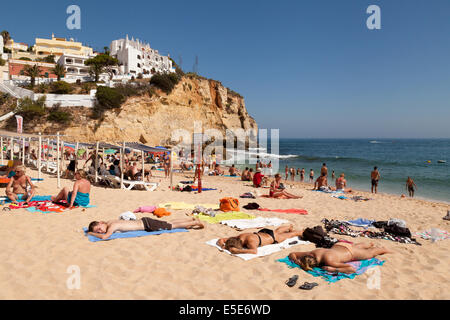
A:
233, 215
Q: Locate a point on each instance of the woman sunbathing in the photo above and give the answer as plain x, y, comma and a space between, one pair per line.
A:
79, 196
334, 259
249, 242
280, 193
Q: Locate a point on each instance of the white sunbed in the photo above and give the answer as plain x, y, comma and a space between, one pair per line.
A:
130, 184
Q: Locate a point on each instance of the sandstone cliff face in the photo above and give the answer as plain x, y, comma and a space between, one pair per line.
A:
152, 120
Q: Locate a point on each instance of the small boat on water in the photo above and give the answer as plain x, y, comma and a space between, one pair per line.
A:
442, 161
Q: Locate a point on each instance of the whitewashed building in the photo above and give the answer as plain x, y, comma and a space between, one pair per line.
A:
138, 58
75, 67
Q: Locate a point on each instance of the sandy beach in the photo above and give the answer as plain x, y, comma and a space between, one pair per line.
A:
38, 249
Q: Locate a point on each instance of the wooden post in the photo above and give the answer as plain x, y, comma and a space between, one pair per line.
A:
76, 157
23, 151
171, 169
39, 156
11, 151
1, 146
62, 156
143, 165
122, 151
96, 163
57, 161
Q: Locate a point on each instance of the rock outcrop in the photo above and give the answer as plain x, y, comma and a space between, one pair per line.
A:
152, 120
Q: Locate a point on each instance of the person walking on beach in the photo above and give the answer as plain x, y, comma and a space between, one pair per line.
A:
167, 165
292, 174
286, 170
311, 176
375, 176
410, 185
302, 175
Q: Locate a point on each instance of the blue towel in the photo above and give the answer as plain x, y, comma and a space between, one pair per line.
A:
361, 222
360, 266
131, 234
35, 198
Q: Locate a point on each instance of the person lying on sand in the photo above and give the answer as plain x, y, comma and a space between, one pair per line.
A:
79, 196
104, 230
249, 242
19, 183
276, 191
334, 259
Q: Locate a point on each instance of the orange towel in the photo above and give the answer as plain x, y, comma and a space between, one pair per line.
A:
161, 212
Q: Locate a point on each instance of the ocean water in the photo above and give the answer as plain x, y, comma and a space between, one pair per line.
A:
396, 159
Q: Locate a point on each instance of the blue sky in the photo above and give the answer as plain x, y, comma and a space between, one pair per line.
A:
308, 67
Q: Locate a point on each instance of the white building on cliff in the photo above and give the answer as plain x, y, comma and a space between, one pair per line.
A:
137, 58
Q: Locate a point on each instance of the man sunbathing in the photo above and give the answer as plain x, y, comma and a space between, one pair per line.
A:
249, 242
334, 259
104, 230
20, 183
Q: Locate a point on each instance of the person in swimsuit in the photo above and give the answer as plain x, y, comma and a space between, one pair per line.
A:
104, 230
375, 176
250, 242
311, 176
166, 165
334, 259
280, 193
341, 183
233, 171
333, 175
286, 171
324, 169
302, 175
19, 183
79, 196
321, 182
410, 186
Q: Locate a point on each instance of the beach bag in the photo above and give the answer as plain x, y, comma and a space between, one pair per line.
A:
229, 204
397, 231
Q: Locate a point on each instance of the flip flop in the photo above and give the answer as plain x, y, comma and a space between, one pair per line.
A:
292, 281
308, 286
292, 243
6, 209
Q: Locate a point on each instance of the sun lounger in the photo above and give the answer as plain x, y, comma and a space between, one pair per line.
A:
130, 184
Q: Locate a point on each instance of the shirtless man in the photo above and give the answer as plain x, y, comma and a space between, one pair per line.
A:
286, 171
233, 171
218, 171
334, 259
324, 169
341, 183
311, 176
19, 183
292, 174
302, 175
410, 186
249, 242
375, 176
245, 175
104, 230
321, 182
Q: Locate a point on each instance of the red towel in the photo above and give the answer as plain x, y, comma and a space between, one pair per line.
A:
296, 211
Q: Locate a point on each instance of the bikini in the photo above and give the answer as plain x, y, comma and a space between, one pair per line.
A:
269, 232
347, 246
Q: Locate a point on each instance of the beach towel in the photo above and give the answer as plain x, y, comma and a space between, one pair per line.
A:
35, 201
361, 222
149, 209
233, 215
203, 189
188, 206
259, 222
131, 234
296, 211
340, 197
49, 206
360, 266
262, 251
434, 233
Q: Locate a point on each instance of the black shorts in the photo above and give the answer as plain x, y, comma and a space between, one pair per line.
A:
155, 225
71, 166
410, 188
374, 182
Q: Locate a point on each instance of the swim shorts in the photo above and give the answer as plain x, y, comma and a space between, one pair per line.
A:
155, 225
374, 182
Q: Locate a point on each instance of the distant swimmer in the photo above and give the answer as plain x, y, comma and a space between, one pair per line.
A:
410, 185
375, 176
311, 176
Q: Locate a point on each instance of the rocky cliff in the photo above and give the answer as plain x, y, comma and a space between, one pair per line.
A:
153, 119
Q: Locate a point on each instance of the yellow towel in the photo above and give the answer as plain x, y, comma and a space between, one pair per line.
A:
183, 205
225, 216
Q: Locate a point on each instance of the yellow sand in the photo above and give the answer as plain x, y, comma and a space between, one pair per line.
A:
38, 249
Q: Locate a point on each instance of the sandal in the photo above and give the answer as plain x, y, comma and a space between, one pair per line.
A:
6, 209
292, 243
292, 281
308, 286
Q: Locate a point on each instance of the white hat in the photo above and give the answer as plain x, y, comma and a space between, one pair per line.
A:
258, 170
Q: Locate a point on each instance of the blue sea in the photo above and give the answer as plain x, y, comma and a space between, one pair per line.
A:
396, 159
